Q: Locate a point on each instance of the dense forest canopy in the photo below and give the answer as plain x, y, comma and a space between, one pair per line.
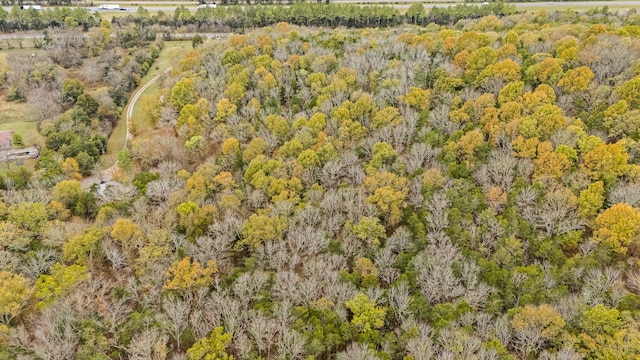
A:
414, 192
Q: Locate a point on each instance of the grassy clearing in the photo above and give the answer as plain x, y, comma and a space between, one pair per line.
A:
169, 56
118, 14
9, 45
4, 52
17, 116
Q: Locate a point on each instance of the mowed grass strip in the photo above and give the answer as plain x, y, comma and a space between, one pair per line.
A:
175, 50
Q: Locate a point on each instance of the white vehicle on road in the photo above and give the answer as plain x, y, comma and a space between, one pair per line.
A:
27, 7
109, 7
203, 6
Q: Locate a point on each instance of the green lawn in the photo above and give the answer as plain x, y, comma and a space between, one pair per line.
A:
12, 117
169, 56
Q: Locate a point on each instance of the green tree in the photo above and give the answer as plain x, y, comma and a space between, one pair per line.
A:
600, 320
88, 104
194, 220
369, 229
68, 192
622, 121
196, 41
16, 141
367, 317
416, 12
63, 280
80, 249
591, 200
511, 92
28, 216
71, 89
211, 348
195, 145
193, 119
630, 91
382, 153
262, 227
183, 92
151, 109
124, 159
257, 146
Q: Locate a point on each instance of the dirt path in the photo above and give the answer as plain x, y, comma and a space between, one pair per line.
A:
105, 175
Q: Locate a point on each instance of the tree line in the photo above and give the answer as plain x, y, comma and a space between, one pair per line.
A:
242, 18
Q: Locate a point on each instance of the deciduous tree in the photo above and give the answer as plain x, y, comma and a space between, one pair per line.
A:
618, 227
367, 317
189, 275
15, 292
211, 348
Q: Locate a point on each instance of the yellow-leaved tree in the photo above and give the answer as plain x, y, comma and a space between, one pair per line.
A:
388, 193
189, 275
606, 161
211, 348
15, 292
618, 227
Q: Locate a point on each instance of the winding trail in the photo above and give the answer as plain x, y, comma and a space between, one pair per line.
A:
134, 99
104, 176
